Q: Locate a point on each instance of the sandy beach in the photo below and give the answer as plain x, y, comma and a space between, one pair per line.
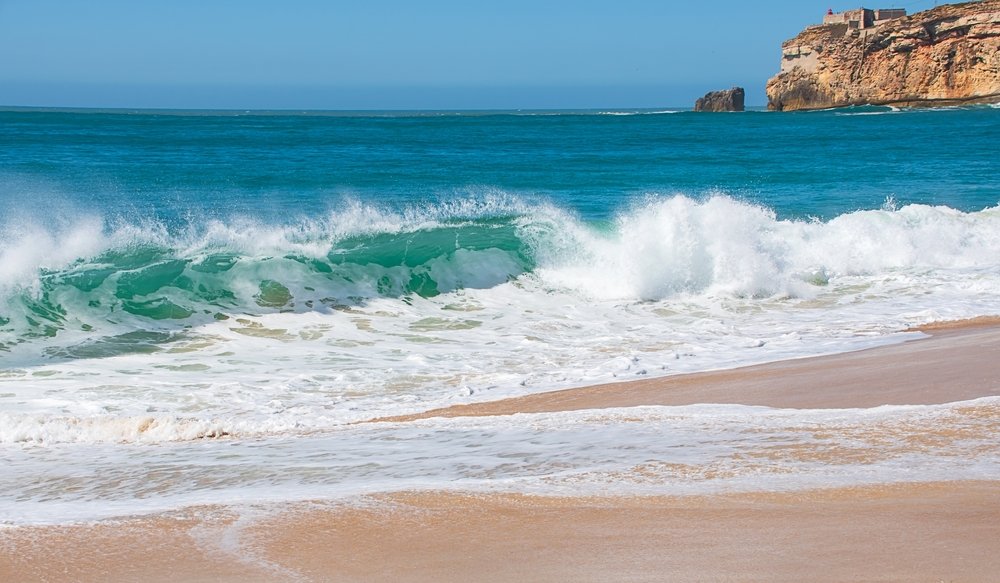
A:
918, 531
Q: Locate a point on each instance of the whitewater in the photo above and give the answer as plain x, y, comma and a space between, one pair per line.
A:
206, 308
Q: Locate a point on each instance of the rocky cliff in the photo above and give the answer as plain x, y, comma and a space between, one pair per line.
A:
947, 55
728, 100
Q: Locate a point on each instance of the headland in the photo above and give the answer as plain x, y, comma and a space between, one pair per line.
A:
949, 55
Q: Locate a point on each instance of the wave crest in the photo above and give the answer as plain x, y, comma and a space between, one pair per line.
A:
724, 246
87, 275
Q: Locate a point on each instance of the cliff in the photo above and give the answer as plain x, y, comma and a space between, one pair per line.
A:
944, 56
728, 100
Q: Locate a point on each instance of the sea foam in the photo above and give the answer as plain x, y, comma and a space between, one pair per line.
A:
696, 449
725, 246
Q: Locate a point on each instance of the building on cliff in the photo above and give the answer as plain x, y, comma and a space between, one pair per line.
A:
863, 17
948, 55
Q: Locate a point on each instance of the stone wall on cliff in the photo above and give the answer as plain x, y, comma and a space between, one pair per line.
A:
947, 55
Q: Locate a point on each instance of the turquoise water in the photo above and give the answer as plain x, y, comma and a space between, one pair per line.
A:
180, 167
168, 277
366, 188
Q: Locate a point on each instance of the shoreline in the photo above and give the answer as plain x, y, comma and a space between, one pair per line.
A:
949, 365
912, 531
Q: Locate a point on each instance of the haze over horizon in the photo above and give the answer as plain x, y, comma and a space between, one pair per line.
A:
389, 54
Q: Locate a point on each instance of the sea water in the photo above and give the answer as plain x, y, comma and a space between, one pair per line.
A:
198, 307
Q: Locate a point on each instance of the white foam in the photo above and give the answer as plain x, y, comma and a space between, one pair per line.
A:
638, 112
27, 247
679, 245
48, 429
695, 449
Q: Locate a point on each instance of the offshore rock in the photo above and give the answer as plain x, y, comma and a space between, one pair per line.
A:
728, 100
949, 55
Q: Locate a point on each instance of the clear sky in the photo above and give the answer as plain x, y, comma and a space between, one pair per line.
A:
392, 54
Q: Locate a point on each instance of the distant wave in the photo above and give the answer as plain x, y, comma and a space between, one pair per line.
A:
627, 113
870, 110
890, 111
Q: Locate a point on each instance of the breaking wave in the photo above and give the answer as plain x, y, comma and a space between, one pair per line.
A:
92, 274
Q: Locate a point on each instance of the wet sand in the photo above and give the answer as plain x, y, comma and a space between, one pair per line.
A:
944, 531
958, 362
910, 533
918, 532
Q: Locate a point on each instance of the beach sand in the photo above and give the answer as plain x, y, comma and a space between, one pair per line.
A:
941, 531
917, 532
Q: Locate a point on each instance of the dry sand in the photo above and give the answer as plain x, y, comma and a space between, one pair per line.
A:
946, 531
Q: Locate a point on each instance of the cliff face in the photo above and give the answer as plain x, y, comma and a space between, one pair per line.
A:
947, 55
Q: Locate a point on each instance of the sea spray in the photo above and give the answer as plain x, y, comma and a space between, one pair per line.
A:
101, 279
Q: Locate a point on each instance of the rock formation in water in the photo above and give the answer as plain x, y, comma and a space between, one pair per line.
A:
728, 100
945, 56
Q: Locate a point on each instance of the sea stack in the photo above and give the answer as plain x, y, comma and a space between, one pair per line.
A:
727, 100
948, 55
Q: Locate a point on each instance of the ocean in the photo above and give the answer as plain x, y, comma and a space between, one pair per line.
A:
203, 307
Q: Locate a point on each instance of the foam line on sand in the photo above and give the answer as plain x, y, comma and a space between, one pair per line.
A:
958, 362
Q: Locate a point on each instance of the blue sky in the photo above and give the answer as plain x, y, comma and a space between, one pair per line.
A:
390, 54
